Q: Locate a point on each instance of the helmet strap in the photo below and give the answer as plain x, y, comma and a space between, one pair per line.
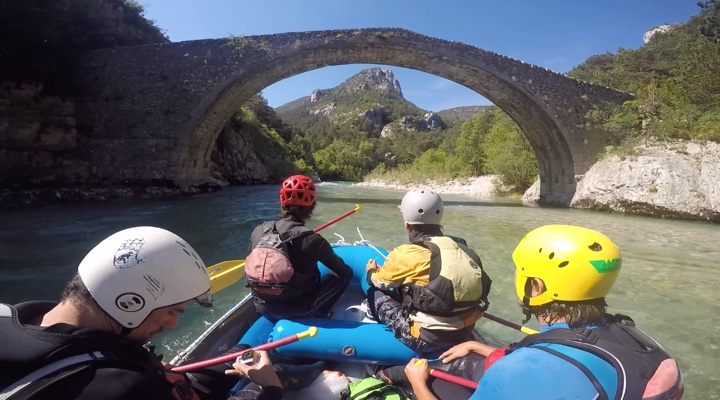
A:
124, 331
526, 309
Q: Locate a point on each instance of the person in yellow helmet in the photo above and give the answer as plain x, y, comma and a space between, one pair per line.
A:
563, 274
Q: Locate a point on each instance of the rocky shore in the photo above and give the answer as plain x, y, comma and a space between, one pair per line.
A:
679, 179
479, 186
16, 198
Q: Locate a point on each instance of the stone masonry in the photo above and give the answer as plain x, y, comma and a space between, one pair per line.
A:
154, 111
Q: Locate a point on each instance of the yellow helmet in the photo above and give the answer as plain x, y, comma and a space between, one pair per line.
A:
575, 264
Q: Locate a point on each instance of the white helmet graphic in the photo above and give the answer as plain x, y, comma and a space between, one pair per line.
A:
138, 270
421, 207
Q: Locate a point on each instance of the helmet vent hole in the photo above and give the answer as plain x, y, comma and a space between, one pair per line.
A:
421, 211
540, 251
595, 247
552, 255
437, 211
555, 295
563, 264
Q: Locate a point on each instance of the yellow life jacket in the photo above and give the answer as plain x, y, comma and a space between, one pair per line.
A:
456, 293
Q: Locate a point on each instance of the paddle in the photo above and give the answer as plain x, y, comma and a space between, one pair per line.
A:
450, 378
523, 329
312, 331
226, 273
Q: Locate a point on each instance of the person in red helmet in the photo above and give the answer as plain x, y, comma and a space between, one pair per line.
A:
282, 267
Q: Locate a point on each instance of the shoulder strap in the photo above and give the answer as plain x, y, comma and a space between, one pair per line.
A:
41, 378
294, 233
555, 336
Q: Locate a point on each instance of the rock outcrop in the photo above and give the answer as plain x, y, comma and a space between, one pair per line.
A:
647, 36
235, 161
675, 180
430, 122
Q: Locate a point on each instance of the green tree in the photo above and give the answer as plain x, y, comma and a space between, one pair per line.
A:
509, 154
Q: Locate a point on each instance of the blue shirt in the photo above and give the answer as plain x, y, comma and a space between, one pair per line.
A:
530, 373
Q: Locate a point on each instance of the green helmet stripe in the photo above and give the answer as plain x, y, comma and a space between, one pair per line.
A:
604, 266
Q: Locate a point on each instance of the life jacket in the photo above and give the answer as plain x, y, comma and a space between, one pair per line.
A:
644, 369
456, 293
371, 388
269, 270
38, 359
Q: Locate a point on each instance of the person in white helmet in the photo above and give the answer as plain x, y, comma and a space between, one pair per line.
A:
130, 287
430, 292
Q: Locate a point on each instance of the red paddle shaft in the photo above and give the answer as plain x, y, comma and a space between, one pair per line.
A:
454, 379
325, 225
312, 331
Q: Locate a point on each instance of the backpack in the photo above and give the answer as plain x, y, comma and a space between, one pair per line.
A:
373, 389
268, 267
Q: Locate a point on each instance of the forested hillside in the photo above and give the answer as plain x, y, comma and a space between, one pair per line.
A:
675, 77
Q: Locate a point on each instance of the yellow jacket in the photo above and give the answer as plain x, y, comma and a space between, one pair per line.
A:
409, 263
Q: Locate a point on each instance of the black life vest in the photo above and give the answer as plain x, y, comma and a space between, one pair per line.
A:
38, 358
635, 356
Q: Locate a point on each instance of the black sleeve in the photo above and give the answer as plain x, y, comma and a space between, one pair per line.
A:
328, 257
108, 384
271, 393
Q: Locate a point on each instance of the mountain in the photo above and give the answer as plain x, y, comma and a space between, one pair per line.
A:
461, 113
370, 101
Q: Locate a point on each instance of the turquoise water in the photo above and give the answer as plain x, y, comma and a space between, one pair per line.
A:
669, 281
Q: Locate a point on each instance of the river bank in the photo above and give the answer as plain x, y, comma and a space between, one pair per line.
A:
478, 186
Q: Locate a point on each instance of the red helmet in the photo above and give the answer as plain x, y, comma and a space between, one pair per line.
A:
297, 190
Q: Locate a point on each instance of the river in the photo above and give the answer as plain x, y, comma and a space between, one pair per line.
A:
669, 283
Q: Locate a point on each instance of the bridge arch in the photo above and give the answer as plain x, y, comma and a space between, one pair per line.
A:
153, 112
465, 65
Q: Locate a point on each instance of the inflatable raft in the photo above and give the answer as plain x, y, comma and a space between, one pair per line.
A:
350, 338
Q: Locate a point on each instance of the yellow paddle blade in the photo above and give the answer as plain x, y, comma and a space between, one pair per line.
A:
225, 274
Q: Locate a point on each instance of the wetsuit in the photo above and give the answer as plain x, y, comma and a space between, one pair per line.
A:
624, 363
130, 372
313, 297
113, 368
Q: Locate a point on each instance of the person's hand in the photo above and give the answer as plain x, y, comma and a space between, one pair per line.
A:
457, 351
370, 265
417, 371
167, 365
261, 372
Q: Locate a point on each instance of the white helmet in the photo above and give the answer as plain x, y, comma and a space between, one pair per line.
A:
138, 270
421, 207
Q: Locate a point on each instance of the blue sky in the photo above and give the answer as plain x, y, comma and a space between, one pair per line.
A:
556, 34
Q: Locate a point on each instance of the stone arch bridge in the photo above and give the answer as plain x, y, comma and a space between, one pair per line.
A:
153, 112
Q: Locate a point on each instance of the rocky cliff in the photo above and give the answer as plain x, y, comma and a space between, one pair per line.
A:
371, 99
677, 179
41, 144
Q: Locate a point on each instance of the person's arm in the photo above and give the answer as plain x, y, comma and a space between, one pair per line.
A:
327, 256
417, 373
405, 264
463, 349
110, 384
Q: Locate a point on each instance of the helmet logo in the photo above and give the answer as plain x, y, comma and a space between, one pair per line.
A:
604, 266
130, 302
128, 254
